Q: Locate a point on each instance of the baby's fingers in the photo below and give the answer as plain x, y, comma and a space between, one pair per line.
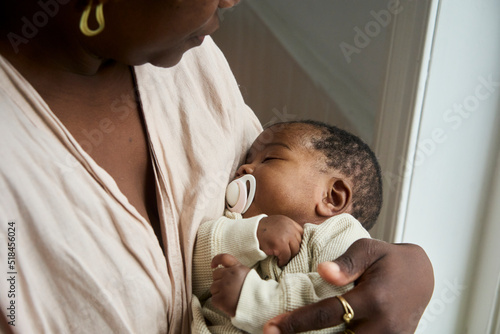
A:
295, 244
284, 256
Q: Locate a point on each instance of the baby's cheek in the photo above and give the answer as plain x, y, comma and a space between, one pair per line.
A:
250, 212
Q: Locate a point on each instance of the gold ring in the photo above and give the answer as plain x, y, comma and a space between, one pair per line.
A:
349, 313
348, 331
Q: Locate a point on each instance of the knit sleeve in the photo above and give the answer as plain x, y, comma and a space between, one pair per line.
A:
262, 300
237, 237
325, 242
300, 284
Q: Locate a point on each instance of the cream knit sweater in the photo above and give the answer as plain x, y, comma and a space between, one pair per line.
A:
268, 290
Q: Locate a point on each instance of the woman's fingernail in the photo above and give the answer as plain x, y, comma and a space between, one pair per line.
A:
272, 330
333, 267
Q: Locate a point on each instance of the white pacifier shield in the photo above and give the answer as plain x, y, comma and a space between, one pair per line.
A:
237, 199
232, 194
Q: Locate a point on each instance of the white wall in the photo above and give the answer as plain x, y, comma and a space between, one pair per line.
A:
458, 143
273, 84
485, 290
340, 45
311, 64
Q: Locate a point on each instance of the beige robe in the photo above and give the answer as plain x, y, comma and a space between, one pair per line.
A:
85, 260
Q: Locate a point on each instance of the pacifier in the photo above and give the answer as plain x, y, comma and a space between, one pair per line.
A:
240, 193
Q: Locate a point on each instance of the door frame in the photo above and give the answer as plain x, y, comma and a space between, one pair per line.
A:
398, 119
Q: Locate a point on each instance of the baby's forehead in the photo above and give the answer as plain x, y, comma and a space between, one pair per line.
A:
296, 138
298, 134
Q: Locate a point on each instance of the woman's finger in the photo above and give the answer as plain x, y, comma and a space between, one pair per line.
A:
353, 263
326, 313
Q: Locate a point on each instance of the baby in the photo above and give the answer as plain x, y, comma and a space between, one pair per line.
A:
314, 190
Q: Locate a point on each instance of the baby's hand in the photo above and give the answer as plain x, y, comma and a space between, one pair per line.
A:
227, 283
279, 236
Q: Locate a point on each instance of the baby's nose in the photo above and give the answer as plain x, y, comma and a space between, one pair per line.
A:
244, 169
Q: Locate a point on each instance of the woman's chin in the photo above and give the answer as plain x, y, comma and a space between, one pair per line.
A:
172, 57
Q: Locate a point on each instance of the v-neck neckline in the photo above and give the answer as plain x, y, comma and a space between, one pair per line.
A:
44, 117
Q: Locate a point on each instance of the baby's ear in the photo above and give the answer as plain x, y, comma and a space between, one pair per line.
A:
337, 199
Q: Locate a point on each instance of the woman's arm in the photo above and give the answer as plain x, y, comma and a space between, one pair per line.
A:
394, 284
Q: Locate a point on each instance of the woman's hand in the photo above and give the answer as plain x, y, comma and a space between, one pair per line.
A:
394, 284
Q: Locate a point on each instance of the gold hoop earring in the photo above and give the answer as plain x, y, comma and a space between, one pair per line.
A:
99, 15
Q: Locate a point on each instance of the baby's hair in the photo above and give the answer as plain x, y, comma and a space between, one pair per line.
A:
349, 155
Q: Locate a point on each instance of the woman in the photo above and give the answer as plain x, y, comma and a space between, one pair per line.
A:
121, 126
